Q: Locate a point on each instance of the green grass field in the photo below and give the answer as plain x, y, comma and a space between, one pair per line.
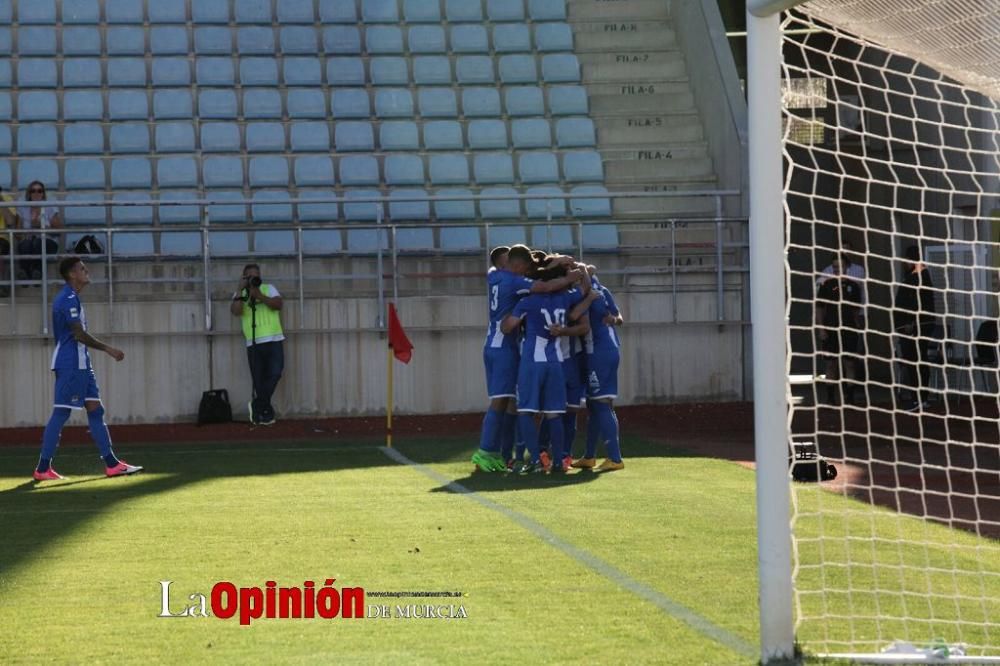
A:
654, 564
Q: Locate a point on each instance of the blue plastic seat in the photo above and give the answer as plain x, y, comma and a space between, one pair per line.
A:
255, 40
210, 11
261, 103
467, 11
474, 69
296, 11
488, 135
583, 166
213, 40
265, 138
421, 11
443, 135
318, 212
350, 103
415, 240
499, 209
427, 38
167, 40
455, 210
448, 169
409, 210
176, 172
174, 137
518, 68
511, 38
131, 173
86, 216
313, 171
229, 243
84, 174
83, 105
493, 169
384, 39
37, 11
353, 135
560, 68
399, 135
6, 41
469, 38
305, 103
253, 11
506, 235
171, 72
299, 71
168, 11
524, 101
389, 71
460, 239
129, 138
276, 209
310, 137
406, 169
531, 133
538, 167
81, 41
321, 241
379, 11
358, 170
541, 208
298, 40
345, 72
274, 242
6, 141
362, 211
591, 207
217, 104
37, 105
366, 241
481, 103
6, 81
178, 243
6, 108
505, 10
226, 213
35, 72
188, 214
552, 237
393, 103
214, 72
547, 10
28, 171
342, 40
83, 139
337, 11
75, 12
222, 172
5, 175
36, 41
124, 11
550, 37
258, 72
172, 104
126, 73
133, 244
568, 100
38, 139
220, 138
575, 133
126, 41
268, 172
128, 105
437, 103
431, 70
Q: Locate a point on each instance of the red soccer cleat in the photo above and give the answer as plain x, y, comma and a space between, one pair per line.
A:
48, 475
122, 469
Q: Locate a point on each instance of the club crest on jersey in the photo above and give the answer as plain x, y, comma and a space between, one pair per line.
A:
72, 312
594, 382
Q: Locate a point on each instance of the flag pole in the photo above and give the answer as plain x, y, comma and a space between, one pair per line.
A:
389, 392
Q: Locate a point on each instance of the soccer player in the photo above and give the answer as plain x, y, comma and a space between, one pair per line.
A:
76, 386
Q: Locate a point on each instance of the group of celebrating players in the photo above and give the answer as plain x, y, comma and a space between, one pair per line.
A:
551, 351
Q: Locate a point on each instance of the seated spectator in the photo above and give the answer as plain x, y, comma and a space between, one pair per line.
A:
8, 220
38, 217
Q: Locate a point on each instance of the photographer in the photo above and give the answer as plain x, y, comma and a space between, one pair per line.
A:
259, 305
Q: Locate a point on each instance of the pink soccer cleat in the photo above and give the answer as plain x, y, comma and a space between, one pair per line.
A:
48, 475
122, 469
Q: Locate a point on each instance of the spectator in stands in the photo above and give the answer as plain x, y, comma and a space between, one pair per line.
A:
838, 318
914, 320
258, 304
8, 220
33, 218
852, 269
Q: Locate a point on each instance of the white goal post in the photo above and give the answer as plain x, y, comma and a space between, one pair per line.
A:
874, 138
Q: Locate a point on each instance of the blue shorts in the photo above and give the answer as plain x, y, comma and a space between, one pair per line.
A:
541, 387
74, 387
501, 371
602, 374
574, 381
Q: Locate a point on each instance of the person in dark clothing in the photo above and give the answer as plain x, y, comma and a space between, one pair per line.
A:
914, 320
838, 318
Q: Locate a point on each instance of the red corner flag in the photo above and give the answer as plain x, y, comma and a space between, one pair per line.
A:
402, 348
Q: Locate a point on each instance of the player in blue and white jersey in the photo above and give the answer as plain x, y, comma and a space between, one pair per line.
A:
76, 386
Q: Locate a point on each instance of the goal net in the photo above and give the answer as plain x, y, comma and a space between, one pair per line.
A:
891, 146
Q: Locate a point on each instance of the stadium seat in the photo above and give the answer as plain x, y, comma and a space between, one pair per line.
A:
488, 134
518, 69
188, 214
427, 38
481, 103
84, 174
359, 170
179, 243
86, 216
551, 37
229, 243
213, 41
129, 138
362, 211
310, 137
408, 210
210, 11
313, 171
345, 72
342, 40
5, 74
568, 101
253, 11
541, 208
255, 40
524, 101
460, 239
318, 212
349, 103
37, 139
455, 210
389, 71
531, 133
404, 170
83, 139
37, 12
469, 38
493, 169
217, 104
575, 133
590, 207
5, 175
222, 172
298, 40
511, 38
384, 40
302, 71
506, 235
83, 105
126, 41
6, 108
36, 41
547, 10
337, 11
421, 11
393, 103
552, 237
273, 242
277, 209
443, 135
268, 172
6, 41
176, 172
174, 137
265, 138
304, 103
124, 11
6, 141
583, 167
399, 135
28, 171
259, 103
220, 138
320, 241
87, 12
171, 72
35, 72
414, 240
166, 40
137, 244
171, 104
437, 103
37, 105
168, 11
353, 135
126, 73
296, 11
560, 68
379, 11
540, 167
448, 169
431, 70
505, 10
226, 213
468, 11
81, 41
366, 241
474, 69
214, 72
131, 173
259, 72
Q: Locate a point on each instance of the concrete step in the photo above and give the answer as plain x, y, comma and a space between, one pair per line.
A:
644, 98
617, 10
655, 166
663, 207
627, 37
633, 67
643, 130
655, 150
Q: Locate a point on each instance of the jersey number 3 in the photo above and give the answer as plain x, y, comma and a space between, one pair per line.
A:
494, 297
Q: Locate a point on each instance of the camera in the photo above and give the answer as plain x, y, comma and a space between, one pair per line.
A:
255, 281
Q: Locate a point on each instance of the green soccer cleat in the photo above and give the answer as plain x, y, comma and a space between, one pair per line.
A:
488, 462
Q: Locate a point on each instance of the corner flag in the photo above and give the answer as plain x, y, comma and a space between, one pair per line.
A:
401, 346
